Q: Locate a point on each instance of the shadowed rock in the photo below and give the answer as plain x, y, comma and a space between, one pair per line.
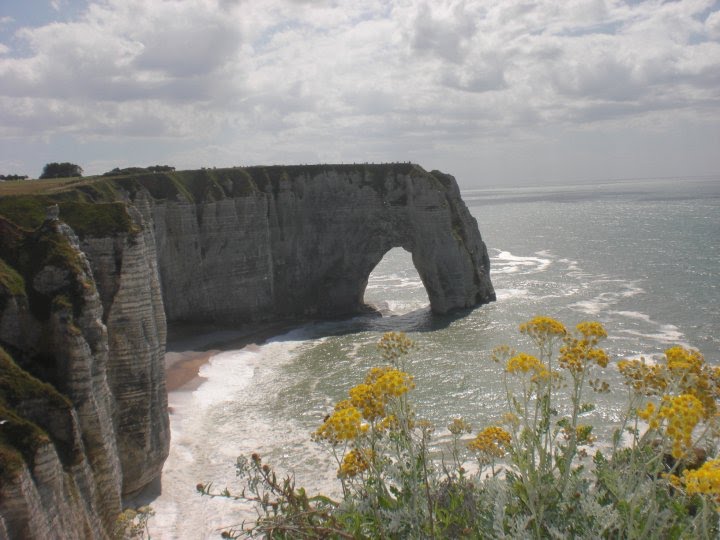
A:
278, 243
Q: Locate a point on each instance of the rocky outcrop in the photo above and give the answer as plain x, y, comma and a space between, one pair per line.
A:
263, 243
125, 269
60, 339
83, 402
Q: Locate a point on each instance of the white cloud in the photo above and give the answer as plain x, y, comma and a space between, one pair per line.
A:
345, 77
712, 25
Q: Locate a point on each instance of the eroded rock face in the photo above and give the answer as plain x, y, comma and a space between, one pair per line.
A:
125, 269
72, 487
305, 245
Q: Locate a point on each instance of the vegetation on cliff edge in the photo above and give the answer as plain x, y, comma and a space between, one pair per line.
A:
19, 437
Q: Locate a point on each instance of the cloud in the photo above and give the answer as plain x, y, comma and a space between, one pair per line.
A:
712, 25
409, 76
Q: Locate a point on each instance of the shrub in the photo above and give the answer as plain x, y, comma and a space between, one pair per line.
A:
61, 170
531, 475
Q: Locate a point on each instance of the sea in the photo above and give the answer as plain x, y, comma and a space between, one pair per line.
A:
640, 256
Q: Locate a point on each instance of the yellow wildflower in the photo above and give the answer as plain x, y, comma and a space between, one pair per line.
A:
643, 378
341, 425
682, 359
343, 404
394, 383
390, 423
523, 362
598, 356
543, 327
705, 480
491, 442
682, 413
355, 462
365, 398
591, 329
649, 414
577, 352
376, 372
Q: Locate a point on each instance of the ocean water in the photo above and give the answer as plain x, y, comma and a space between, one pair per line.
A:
641, 257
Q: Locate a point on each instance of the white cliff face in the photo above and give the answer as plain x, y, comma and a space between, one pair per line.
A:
50, 501
76, 494
305, 245
214, 259
125, 270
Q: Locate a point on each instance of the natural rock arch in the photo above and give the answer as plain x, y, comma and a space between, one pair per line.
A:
302, 241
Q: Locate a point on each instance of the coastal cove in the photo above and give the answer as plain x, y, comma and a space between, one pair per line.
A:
641, 257
92, 269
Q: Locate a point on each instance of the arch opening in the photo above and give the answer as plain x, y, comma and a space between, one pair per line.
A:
394, 286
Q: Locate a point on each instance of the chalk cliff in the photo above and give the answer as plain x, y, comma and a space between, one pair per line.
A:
59, 463
82, 320
262, 243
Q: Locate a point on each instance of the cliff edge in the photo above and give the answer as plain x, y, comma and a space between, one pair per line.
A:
264, 243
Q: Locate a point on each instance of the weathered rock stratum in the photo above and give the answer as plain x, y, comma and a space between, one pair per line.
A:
83, 318
263, 243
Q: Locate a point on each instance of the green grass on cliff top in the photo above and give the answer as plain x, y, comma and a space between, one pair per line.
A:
95, 205
195, 182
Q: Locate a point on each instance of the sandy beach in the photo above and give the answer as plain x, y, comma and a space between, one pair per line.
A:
190, 346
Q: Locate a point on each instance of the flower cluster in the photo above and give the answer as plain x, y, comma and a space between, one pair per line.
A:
646, 379
648, 413
394, 383
682, 359
527, 363
682, 414
543, 328
491, 442
367, 408
355, 462
458, 426
591, 330
367, 399
579, 351
393, 345
689, 389
683, 371
705, 480
344, 424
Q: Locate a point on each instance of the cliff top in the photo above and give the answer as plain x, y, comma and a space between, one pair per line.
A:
56, 185
95, 205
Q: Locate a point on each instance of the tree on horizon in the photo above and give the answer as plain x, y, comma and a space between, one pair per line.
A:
61, 170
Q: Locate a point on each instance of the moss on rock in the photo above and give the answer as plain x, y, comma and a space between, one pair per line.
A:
10, 281
20, 438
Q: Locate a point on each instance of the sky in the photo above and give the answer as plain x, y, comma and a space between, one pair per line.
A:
502, 92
